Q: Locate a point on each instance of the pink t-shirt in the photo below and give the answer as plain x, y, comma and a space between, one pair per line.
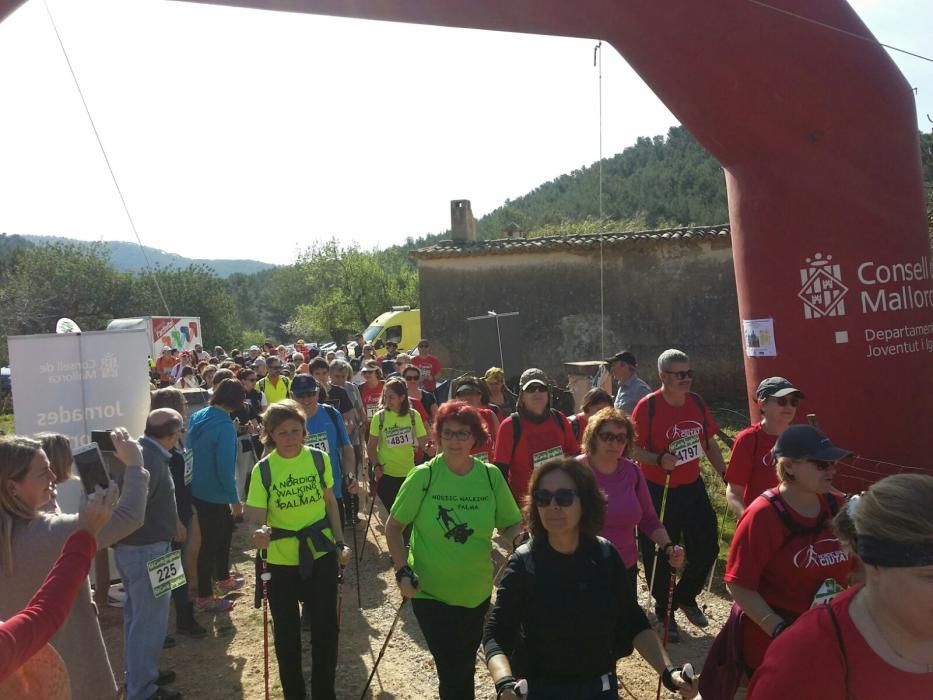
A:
629, 505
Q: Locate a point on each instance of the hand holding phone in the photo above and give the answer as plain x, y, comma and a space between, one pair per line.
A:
103, 440
99, 507
90, 464
126, 448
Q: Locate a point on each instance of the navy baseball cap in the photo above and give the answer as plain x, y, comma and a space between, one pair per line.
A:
806, 442
622, 356
304, 384
776, 387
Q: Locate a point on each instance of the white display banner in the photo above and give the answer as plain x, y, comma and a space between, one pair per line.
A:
73, 384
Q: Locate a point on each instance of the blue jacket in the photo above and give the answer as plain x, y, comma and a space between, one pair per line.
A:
212, 438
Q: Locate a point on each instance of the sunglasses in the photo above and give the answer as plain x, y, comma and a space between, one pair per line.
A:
687, 374
412, 377
609, 436
563, 497
536, 389
304, 394
784, 400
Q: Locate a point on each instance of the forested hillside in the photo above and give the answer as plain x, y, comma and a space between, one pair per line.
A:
335, 288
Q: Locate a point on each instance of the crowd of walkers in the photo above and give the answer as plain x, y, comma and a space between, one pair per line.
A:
841, 585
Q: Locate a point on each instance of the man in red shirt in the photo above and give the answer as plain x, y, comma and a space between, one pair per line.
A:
675, 428
428, 364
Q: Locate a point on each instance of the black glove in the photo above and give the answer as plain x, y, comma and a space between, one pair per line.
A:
406, 572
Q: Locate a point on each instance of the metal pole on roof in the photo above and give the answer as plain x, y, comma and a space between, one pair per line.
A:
598, 63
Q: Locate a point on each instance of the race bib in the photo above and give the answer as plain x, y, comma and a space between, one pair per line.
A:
371, 410
399, 437
482, 456
685, 449
166, 573
318, 441
828, 590
189, 466
538, 458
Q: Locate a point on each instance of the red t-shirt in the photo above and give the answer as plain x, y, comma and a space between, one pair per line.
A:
537, 443
786, 570
371, 397
485, 450
751, 464
677, 429
805, 662
428, 365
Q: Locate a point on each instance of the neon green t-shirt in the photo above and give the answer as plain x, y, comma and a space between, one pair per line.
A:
296, 501
397, 442
453, 523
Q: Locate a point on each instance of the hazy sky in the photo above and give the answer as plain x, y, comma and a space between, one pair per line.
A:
244, 133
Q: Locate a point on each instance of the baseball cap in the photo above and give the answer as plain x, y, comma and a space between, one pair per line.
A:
469, 388
165, 349
303, 384
776, 387
623, 356
806, 442
532, 375
299, 342
253, 348
259, 361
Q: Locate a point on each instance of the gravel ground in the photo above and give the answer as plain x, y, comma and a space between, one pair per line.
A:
229, 662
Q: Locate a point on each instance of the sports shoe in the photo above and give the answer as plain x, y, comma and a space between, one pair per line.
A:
165, 677
168, 643
165, 694
228, 585
191, 628
694, 614
213, 605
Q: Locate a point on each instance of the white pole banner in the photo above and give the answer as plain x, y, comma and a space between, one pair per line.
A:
73, 384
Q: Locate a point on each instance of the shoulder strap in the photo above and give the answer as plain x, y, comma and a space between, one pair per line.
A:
574, 421
516, 433
318, 464
698, 400
335, 417
523, 552
842, 645
795, 528
427, 487
265, 476
261, 385
605, 548
411, 413
652, 399
557, 415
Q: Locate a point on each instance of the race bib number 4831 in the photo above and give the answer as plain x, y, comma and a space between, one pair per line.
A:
686, 449
399, 437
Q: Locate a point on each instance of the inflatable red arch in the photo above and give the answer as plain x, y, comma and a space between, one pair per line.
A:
817, 132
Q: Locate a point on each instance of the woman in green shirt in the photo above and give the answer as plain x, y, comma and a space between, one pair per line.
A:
395, 432
454, 503
292, 503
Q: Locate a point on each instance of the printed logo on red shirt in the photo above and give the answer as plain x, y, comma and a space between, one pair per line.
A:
685, 428
767, 459
827, 552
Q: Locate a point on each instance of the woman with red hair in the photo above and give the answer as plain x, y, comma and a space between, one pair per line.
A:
453, 502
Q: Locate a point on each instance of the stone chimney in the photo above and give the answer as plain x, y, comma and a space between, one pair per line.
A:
462, 223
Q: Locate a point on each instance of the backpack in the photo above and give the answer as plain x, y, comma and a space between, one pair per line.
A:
652, 401
622, 644
575, 427
427, 486
794, 528
517, 428
334, 416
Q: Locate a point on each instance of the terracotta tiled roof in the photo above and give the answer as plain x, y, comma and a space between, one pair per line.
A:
504, 246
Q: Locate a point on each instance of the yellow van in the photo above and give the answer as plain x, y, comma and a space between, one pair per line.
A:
401, 325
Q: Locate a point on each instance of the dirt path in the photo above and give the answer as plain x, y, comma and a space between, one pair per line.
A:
229, 662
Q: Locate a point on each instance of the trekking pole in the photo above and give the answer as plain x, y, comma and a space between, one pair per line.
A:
372, 504
722, 528
265, 577
657, 550
383, 650
356, 564
339, 597
667, 622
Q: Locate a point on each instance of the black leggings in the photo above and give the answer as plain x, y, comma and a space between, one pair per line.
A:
453, 634
216, 523
318, 592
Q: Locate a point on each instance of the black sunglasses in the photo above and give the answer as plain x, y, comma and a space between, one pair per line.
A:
688, 374
412, 377
536, 389
784, 400
563, 497
304, 394
609, 436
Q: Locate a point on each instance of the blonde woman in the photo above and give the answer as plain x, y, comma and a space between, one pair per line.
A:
874, 640
31, 541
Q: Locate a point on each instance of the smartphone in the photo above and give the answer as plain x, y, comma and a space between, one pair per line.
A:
90, 464
103, 440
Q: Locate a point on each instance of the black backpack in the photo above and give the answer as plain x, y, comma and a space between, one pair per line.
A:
794, 528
